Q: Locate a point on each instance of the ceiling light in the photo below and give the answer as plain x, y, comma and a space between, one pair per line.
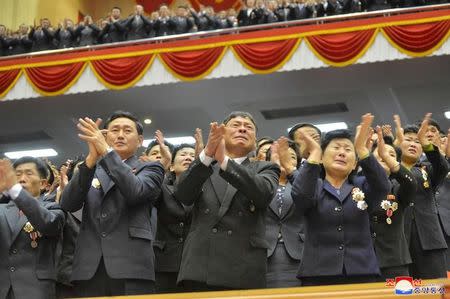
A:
173, 140
47, 152
447, 114
329, 126
147, 121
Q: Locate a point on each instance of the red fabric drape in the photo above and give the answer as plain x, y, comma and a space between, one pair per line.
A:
192, 64
152, 5
51, 79
341, 47
121, 71
418, 37
7, 78
265, 56
218, 5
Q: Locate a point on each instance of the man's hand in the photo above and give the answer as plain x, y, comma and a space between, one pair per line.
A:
393, 165
8, 176
219, 155
95, 139
166, 156
362, 134
447, 148
214, 139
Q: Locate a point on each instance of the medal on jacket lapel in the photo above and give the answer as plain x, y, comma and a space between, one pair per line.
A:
390, 205
426, 184
34, 235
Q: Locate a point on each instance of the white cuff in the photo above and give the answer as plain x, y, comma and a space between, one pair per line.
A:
205, 159
224, 164
15, 191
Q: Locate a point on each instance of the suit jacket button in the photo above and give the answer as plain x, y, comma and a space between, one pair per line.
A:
180, 240
104, 215
341, 247
14, 251
181, 224
339, 228
437, 192
411, 204
338, 209
240, 213
229, 232
374, 235
103, 234
12, 269
214, 230
207, 211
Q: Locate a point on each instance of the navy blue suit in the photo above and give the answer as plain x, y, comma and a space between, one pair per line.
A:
338, 241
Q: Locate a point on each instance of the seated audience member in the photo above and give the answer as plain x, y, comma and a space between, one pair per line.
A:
284, 226
338, 246
30, 229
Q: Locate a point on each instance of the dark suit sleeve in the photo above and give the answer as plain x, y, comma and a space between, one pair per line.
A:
120, 25
257, 186
75, 193
137, 189
190, 184
305, 185
377, 183
47, 218
438, 168
408, 185
31, 33
95, 28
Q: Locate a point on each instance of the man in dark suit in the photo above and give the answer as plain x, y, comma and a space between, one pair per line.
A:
226, 246
116, 29
42, 36
181, 22
138, 26
114, 254
29, 231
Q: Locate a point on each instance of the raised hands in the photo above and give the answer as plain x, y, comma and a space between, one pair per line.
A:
422, 133
215, 138
399, 136
166, 156
199, 144
95, 138
8, 176
363, 132
390, 161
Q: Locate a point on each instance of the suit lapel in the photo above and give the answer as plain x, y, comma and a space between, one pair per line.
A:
218, 183
105, 181
15, 220
287, 201
274, 206
345, 190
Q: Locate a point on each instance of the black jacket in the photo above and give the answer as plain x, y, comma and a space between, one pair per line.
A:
138, 27
65, 38
87, 35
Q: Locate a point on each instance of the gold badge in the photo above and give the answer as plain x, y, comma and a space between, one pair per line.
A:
388, 220
96, 183
28, 228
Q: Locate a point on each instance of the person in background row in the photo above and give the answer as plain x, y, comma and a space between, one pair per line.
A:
338, 245
387, 217
138, 26
42, 36
30, 229
181, 22
300, 129
115, 29
163, 25
222, 20
262, 149
284, 225
65, 35
248, 15
204, 19
426, 240
174, 219
87, 32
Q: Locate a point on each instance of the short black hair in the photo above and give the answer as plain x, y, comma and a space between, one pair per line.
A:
179, 147
411, 129
116, 7
292, 131
155, 142
41, 166
335, 134
389, 141
124, 114
270, 141
292, 145
242, 114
